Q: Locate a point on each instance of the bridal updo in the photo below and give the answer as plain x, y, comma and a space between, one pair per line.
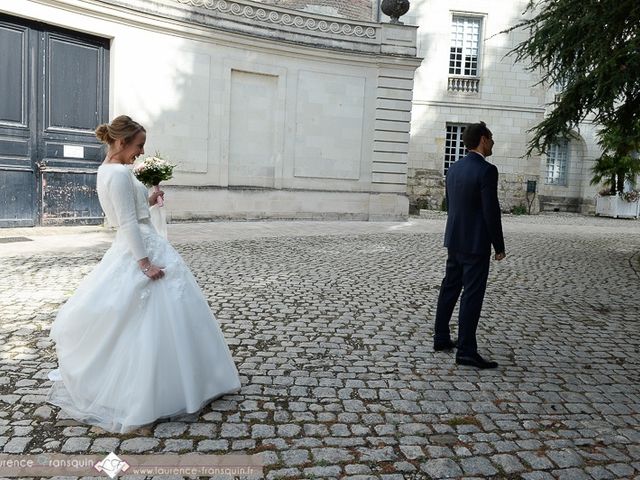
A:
122, 127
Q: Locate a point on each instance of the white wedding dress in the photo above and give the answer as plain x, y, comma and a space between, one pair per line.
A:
132, 350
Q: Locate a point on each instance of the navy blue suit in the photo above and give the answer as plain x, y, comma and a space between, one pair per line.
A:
473, 226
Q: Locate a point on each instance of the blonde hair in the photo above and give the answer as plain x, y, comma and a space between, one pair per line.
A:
121, 127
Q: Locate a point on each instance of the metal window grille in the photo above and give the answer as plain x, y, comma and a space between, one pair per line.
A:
465, 40
557, 161
454, 147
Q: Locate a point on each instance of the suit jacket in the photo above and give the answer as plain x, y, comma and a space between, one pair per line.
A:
474, 222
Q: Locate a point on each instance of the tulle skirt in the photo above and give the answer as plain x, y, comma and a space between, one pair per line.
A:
132, 350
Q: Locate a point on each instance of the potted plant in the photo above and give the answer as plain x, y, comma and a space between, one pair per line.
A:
618, 165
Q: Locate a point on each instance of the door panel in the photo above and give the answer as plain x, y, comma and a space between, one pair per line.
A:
13, 59
75, 102
18, 183
69, 197
73, 87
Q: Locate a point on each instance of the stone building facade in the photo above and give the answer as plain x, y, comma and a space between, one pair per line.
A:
285, 108
495, 90
268, 112
466, 77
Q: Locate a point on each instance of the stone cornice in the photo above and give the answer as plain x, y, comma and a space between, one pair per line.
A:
250, 24
254, 19
269, 15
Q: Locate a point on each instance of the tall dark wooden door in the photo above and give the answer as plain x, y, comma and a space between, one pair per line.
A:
53, 93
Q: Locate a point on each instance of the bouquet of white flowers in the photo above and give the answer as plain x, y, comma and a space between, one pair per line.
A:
153, 170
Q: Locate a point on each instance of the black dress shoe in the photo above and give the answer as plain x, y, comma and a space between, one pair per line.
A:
475, 361
444, 346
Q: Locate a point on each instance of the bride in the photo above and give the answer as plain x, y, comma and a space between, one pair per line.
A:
137, 340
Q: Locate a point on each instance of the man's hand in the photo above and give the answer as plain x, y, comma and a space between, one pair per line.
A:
500, 256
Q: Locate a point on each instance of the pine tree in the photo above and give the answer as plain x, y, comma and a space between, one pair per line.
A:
592, 48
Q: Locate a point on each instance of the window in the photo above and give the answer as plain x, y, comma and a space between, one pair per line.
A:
558, 88
557, 159
453, 148
465, 39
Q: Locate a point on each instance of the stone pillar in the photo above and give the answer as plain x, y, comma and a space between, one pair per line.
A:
393, 116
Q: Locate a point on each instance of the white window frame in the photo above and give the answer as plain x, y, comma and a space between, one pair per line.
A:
464, 30
557, 165
454, 148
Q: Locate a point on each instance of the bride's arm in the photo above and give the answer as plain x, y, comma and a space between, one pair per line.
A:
123, 199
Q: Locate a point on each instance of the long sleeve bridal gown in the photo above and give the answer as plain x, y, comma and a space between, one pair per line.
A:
132, 350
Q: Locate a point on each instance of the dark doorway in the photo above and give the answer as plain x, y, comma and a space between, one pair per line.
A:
53, 93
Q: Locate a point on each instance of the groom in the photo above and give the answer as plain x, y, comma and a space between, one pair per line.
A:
473, 225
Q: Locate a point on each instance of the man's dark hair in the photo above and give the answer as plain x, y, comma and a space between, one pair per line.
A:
473, 133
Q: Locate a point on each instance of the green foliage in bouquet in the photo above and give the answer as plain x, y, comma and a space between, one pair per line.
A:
153, 170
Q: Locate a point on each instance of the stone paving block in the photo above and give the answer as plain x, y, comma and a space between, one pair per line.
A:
277, 443
412, 452
571, 474
178, 445
43, 411
295, 457
213, 445
323, 472
599, 473
621, 469
331, 455
405, 468
245, 444
105, 445
505, 446
441, 468
508, 463
438, 452
17, 445
262, 431
357, 469
565, 458
360, 430
537, 476
284, 473
269, 458
139, 445
202, 430
477, 466
316, 430
383, 454
76, 445
169, 429
234, 430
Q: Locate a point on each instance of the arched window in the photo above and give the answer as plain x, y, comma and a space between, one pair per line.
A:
557, 163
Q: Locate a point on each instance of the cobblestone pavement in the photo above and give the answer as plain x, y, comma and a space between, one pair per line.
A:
330, 325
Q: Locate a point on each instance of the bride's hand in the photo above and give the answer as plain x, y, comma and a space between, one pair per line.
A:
154, 272
153, 198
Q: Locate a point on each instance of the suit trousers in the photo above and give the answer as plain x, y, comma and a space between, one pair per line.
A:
467, 273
